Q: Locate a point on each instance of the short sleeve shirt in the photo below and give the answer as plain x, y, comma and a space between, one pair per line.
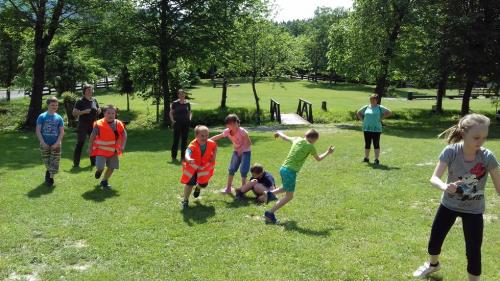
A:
239, 139
49, 126
181, 111
299, 151
266, 180
372, 117
470, 198
86, 120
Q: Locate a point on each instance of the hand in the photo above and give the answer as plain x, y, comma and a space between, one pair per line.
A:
190, 161
331, 149
86, 111
276, 135
56, 145
44, 145
452, 187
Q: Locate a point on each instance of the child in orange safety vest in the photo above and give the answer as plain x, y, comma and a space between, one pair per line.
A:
199, 163
107, 142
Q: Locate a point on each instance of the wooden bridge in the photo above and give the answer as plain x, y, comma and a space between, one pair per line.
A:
304, 109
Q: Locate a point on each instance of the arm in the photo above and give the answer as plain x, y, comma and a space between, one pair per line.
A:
187, 156
77, 112
495, 176
214, 156
124, 140
283, 136
217, 137
386, 114
171, 114
326, 153
59, 139
438, 183
91, 142
39, 135
360, 115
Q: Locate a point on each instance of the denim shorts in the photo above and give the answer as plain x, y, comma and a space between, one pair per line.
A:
288, 178
242, 162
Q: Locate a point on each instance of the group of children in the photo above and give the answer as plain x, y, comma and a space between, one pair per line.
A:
463, 193
107, 142
200, 163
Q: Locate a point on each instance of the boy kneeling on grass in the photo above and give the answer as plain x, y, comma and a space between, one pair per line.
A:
198, 165
301, 148
260, 183
107, 142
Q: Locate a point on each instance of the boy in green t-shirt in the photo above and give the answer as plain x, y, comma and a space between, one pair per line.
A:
301, 148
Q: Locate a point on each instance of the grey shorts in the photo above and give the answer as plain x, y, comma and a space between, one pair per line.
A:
110, 162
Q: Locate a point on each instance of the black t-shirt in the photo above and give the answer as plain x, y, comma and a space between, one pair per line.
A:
87, 119
181, 111
266, 180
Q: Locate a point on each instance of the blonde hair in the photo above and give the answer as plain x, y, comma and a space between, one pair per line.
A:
455, 134
200, 128
373, 96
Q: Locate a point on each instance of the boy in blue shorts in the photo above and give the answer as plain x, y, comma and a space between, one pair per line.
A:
50, 132
301, 148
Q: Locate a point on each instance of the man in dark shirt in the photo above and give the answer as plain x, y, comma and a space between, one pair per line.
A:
180, 115
86, 110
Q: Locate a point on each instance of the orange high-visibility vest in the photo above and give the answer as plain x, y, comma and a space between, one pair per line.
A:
202, 167
107, 143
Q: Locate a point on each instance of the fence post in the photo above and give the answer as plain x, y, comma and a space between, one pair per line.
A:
323, 106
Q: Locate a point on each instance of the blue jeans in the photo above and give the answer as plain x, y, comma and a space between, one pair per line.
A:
242, 162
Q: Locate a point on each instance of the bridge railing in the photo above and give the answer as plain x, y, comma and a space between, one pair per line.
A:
275, 111
305, 107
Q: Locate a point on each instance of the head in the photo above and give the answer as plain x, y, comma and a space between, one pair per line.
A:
472, 129
87, 91
52, 104
232, 121
201, 134
312, 135
181, 94
110, 112
374, 99
257, 170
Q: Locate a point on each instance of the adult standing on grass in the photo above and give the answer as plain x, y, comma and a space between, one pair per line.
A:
180, 115
86, 110
372, 116
463, 193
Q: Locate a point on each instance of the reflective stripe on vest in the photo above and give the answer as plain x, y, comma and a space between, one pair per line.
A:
107, 143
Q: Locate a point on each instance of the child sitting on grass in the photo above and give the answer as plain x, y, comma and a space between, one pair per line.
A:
260, 183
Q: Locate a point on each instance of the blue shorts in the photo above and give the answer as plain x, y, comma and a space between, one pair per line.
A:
288, 178
242, 162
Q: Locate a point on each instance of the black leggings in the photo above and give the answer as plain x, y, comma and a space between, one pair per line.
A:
472, 225
372, 136
181, 132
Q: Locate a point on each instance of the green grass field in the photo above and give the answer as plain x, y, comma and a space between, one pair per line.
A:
348, 220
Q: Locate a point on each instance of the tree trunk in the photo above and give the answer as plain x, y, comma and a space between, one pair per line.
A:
128, 101
8, 94
164, 52
254, 80
224, 92
441, 92
466, 98
382, 80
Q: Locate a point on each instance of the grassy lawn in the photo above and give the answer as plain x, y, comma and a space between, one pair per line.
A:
348, 220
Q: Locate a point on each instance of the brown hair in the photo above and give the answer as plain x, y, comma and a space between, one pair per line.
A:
109, 106
85, 87
455, 134
312, 134
257, 168
200, 128
231, 118
373, 96
51, 100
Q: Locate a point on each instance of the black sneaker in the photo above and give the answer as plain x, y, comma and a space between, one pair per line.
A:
239, 195
105, 185
98, 174
270, 217
366, 160
50, 182
185, 204
271, 197
376, 162
47, 176
196, 192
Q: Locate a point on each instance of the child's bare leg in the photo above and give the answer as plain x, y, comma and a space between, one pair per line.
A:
261, 192
187, 191
246, 187
243, 181
229, 183
108, 173
278, 191
282, 202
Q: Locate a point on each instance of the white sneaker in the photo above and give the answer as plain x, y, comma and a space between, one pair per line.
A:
426, 269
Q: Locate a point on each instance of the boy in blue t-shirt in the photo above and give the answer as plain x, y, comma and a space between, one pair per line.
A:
260, 183
50, 132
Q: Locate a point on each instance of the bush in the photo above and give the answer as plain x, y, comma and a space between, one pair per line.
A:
69, 99
215, 117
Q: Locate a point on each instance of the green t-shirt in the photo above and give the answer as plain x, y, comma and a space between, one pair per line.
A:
301, 148
372, 117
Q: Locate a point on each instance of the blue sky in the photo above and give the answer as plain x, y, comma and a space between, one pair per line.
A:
303, 9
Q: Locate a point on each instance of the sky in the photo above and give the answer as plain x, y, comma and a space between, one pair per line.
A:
303, 9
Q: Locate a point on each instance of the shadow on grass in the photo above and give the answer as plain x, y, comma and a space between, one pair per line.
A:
99, 195
382, 167
197, 214
293, 226
237, 203
435, 278
76, 170
41, 189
